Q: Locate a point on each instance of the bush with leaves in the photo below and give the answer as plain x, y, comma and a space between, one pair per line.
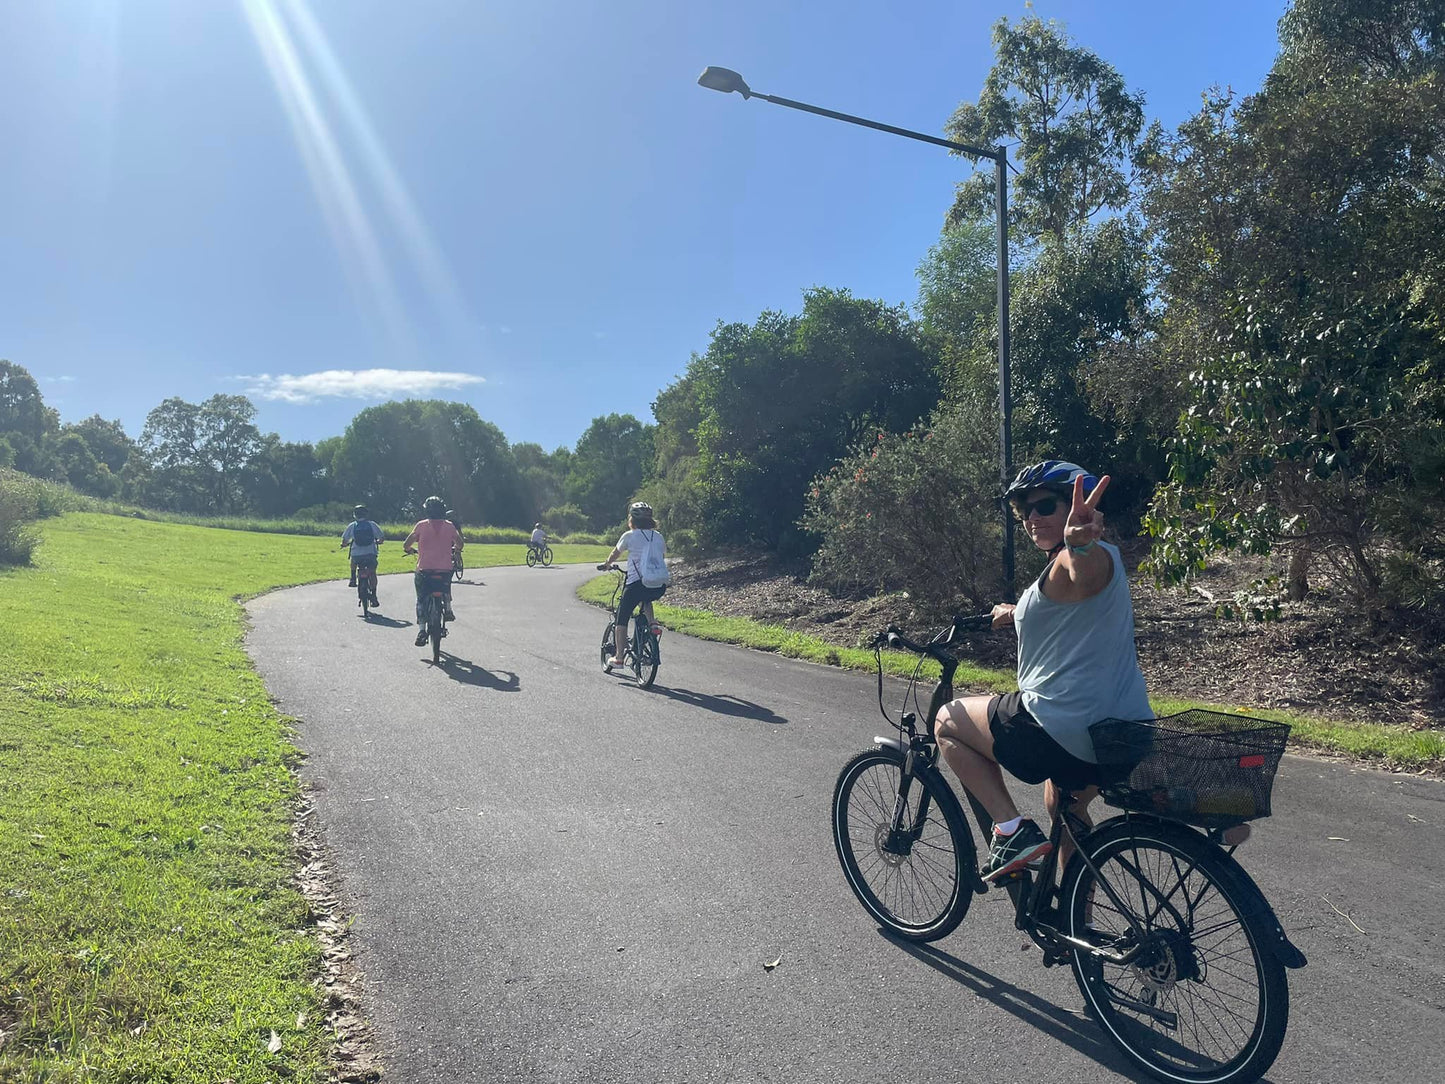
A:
915, 511
19, 508
564, 519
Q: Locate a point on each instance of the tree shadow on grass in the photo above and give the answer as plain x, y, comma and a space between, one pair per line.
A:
469, 673
723, 705
1075, 1030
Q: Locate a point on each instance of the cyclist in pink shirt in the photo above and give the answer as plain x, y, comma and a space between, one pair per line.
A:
433, 540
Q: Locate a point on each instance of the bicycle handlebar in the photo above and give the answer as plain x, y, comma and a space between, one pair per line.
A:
891, 637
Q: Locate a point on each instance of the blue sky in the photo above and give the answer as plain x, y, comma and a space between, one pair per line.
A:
528, 206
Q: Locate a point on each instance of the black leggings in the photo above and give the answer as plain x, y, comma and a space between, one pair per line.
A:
633, 596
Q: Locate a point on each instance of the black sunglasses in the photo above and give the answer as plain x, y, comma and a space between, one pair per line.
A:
1045, 506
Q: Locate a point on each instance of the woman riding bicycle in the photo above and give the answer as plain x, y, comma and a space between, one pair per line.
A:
643, 545
1076, 666
435, 540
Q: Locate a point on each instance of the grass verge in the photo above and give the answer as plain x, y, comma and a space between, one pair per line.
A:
149, 927
1389, 745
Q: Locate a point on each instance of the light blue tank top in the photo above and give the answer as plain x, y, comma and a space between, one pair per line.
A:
1077, 663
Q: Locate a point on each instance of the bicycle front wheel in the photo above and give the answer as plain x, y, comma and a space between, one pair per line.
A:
607, 646
917, 882
1206, 1001
546, 556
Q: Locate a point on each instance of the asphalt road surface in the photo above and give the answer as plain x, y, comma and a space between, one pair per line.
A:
557, 876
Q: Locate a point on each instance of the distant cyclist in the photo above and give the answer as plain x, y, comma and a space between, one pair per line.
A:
647, 575
539, 538
456, 521
434, 540
1076, 666
364, 537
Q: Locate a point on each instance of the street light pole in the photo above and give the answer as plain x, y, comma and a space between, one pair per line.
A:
727, 81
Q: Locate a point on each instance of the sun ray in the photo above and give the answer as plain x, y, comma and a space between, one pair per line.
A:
406, 218
341, 205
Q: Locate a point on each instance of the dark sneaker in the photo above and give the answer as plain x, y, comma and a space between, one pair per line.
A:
375, 603
1026, 846
450, 615
351, 584
421, 636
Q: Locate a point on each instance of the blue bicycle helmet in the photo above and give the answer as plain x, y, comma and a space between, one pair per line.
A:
1051, 474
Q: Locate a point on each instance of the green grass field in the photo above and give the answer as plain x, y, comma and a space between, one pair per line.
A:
1391, 745
149, 929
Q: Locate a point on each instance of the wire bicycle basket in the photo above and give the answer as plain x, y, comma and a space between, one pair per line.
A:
1210, 769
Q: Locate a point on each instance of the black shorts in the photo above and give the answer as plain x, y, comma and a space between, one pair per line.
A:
367, 561
633, 595
1026, 750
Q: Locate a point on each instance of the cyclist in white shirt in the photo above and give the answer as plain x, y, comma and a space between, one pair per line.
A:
643, 544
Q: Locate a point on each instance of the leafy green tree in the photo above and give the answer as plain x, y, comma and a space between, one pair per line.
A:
607, 467
197, 453
283, 477
82, 469
26, 423
543, 476
1088, 384
1299, 232
107, 440
1073, 124
782, 399
394, 455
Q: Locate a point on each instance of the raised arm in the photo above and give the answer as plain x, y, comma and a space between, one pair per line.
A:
1082, 569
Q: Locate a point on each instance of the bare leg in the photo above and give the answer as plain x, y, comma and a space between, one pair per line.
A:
967, 745
619, 636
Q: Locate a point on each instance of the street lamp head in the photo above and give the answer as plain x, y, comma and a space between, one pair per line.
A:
723, 79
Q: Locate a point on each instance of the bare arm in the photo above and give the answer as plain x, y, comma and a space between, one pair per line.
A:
1082, 568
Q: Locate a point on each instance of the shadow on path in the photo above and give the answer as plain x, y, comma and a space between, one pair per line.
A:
1074, 1029
377, 618
722, 705
469, 673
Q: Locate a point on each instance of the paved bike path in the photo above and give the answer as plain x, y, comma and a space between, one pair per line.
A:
559, 877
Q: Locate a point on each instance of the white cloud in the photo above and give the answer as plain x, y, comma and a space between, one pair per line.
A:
61, 379
355, 384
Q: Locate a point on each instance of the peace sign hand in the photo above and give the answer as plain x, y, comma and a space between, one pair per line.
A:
1085, 523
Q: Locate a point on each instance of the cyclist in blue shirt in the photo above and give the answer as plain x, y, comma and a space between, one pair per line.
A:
364, 537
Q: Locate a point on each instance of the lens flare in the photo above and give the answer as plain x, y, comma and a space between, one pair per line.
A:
336, 192
405, 218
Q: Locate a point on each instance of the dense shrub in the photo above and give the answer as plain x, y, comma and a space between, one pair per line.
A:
914, 511
19, 509
564, 519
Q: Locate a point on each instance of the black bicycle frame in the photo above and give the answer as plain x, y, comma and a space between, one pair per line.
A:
1029, 893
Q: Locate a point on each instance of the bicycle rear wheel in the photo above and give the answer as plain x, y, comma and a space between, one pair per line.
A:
645, 656
531, 558
1207, 1001
918, 883
435, 623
